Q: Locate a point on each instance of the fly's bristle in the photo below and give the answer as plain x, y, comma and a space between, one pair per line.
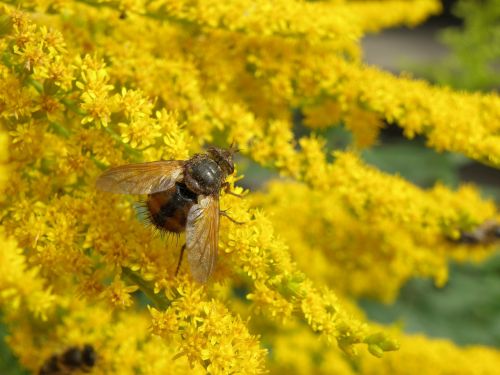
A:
142, 211
158, 232
145, 216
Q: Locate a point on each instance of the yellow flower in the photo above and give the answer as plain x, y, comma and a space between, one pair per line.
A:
119, 294
95, 96
21, 287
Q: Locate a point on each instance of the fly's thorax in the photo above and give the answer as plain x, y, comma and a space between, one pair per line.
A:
203, 175
223, 158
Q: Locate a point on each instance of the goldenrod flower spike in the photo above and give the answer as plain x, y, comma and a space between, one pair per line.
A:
86, 84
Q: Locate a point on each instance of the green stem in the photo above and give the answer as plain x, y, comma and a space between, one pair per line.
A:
160, 301
60, 129
72, 106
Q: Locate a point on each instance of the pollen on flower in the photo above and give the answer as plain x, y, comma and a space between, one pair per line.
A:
164, 323
118, 293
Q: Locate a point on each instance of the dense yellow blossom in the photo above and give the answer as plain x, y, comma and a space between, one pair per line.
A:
363, 216
420, 354
123, 341
21, 287
299, 352
89, 84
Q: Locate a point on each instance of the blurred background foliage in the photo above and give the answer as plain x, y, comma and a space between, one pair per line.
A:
474, 59
466, 309
8, 363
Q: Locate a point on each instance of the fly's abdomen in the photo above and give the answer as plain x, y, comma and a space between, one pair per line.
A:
168, 209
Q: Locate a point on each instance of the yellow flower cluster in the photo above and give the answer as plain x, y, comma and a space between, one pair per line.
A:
420, 354
360, 217
330, 90
21, 288
200, 329
122, 341
298, 352
335, 19
89, 84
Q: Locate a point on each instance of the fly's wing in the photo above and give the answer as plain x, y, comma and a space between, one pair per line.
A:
202, 237
142, 178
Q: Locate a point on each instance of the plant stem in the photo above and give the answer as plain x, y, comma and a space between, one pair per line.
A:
160, 301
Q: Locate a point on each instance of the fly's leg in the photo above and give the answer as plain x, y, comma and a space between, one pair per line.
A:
227, 190
180, 259
224, 213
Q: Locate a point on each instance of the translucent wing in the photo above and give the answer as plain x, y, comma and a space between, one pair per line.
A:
202, 237
143, 178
